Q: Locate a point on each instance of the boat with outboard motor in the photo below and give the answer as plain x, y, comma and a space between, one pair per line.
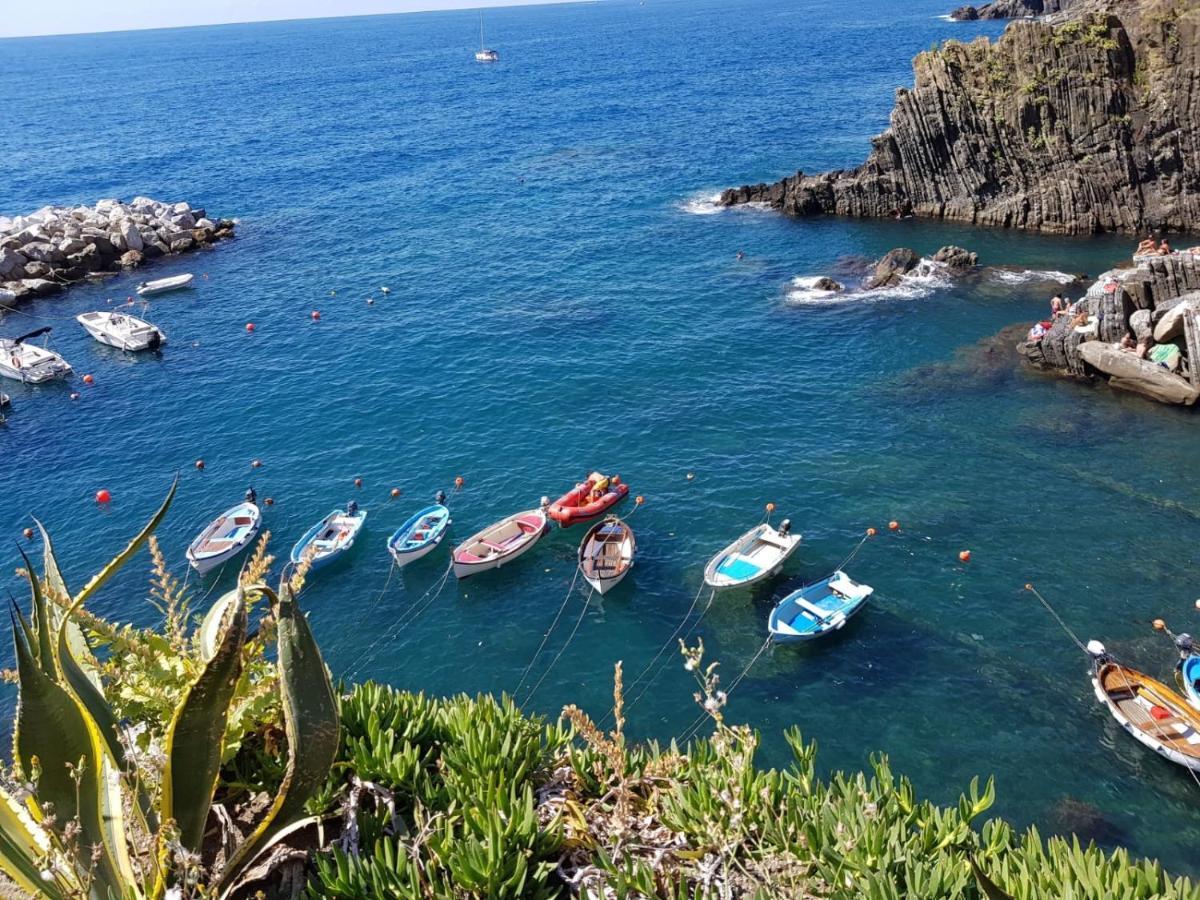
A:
588, 500
817, 609
21, 360
1151, 712
756, 555
226, 536
606, 554
500, 543
121, 330
421, 534
330, 538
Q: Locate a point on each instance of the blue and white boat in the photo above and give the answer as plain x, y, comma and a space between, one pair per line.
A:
330, 538
756, 555
817, 609
1187, 673
420, 535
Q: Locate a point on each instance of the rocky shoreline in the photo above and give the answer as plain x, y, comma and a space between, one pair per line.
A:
1085, 122
45, 251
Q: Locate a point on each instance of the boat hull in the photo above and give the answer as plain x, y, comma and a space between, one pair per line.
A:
143, 337
31, 365
1154, 695
227, 536
498, 545
817, 610
162, 285
574, 507
327, 552
406, 549
606, 554
757, 555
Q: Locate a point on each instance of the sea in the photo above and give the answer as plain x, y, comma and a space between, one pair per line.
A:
564, 296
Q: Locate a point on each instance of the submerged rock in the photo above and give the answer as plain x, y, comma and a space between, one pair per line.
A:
956, 257
894, 266
828, 284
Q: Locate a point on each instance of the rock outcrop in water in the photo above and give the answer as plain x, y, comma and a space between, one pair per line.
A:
1007, 9
1073, 126
1160, 296
58, 245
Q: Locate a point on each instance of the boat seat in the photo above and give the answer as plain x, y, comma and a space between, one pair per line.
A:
814, 610
499, 548
775, 542
738, 568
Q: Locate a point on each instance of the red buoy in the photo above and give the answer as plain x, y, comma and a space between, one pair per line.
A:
871, 532
28, 532
459, 482
315, 315
200, 464
894, 525
250, 326
88, 379
358, 482
395, 493
965, 555
103, 496
270, 501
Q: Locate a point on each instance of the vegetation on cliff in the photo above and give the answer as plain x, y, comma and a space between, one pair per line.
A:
418, 797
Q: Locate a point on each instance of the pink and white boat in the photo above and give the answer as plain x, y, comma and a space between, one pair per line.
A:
500, 544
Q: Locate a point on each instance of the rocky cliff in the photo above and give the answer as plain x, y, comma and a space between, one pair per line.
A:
1008, 9
1088, 121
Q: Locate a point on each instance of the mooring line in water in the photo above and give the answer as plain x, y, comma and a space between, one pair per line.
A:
415, 613
695, 726
563, 649
546, 637
402, 622
386, 584
1057, 618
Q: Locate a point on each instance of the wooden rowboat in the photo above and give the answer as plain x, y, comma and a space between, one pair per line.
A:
500, 544
1151, 712
225, 537
756, 555
606, 554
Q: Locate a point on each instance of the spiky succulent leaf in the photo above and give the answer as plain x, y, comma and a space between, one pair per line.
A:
209, 635
22, 845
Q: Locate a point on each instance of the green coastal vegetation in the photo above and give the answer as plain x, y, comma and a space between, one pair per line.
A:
212, 755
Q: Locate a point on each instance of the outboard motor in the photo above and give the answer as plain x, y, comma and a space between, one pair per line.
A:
785, 527
352, 508
251, 496
1185, 644
155, 341
545, 502
440, 497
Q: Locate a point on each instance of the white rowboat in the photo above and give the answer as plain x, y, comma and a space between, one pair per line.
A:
756, 555
227, 536
500, 544
120, 330
606, 554
162, 285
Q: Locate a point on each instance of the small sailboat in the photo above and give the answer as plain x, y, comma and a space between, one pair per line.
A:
421, 534
589, 500
485, 54
21, 360
500, 544
226, 536
120, 330
606, 554
1151, 712
330, 538
818, 609
162, 285
756, 555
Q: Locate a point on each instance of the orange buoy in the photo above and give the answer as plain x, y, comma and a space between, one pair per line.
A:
316, 315
871, 532
88, 379
894, 525
256, 463
200, 465
270, 501
770, 507
28, 532
103, 496
250, 326
1159, 625
459, 482
358, 482
965, 555
395, 493
639, 500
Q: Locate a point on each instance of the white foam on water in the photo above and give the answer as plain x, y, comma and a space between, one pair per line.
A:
1010, 276
922, 281
703, 205
803, 290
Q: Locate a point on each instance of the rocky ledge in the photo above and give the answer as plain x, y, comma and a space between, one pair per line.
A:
1136, 328
1008, 9
1071, 125
56, 246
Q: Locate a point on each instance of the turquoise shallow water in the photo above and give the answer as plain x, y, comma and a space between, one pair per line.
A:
563, 299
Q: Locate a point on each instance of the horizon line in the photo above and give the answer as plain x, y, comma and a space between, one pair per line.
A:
468, 6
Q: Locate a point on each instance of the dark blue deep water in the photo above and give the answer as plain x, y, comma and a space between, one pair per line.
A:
564, 298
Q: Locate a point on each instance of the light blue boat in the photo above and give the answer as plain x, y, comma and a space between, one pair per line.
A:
818, 609
330, 538
1189, 677
420, 535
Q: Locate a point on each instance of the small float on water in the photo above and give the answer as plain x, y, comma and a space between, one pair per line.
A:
330, 538
120, 330
500, 544
31, 363
226, 536
421, 535
606, 554
162, 285
588, 500
756, 555
1151, 712
818, 609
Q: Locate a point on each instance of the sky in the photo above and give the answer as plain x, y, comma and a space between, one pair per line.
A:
82, 16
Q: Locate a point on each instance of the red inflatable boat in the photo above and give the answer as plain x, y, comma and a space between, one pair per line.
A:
589, 500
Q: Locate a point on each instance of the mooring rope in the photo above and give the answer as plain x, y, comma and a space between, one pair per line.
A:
401, 622
546, 637
1050, 609
695, 726
562, 649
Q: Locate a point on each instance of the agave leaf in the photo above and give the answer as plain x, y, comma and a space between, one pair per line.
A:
990, 889
54, 578
210, 629
281, 835
22, 844
310, 716
196, 733
131, 548
41, 619
52, 727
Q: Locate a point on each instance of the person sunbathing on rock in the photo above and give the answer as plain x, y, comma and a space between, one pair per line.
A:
1058, 306
1128, 343
1146, 247
1164, 249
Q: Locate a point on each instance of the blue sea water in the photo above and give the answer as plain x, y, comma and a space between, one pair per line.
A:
563, 297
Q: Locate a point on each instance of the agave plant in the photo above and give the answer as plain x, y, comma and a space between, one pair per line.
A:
79, 817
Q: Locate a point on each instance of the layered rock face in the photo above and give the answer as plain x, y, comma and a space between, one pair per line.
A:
1008, 9
1085, 125
42, 252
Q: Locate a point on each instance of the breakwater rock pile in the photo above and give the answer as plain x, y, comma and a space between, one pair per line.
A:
1137, 328
1087, 123
58, 245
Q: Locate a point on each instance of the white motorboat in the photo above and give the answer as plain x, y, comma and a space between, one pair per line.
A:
485, 54
757, 554
163, 285
30, 363
121, 330
226, 536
